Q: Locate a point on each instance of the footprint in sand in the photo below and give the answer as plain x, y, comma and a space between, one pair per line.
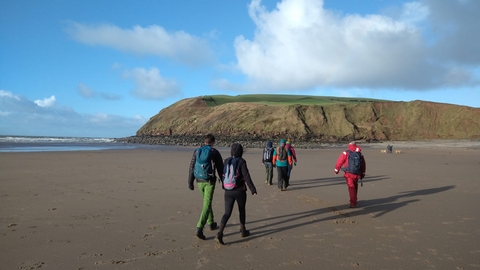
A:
201, 262
32, 266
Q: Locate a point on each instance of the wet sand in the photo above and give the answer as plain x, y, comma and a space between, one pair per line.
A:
132, 209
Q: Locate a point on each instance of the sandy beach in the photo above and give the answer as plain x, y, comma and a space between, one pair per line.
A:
132, 209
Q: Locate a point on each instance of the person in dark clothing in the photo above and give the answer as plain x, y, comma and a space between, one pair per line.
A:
267, 158
237, 194
206, 186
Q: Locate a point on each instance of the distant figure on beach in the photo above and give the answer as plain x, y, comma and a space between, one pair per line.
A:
352, 162
281, 159
236, 192
389, 148
205, 161
294, 157
267, 159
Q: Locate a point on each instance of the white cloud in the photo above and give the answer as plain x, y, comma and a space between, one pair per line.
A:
109, 96
46, 102
21, 116
414, 12
151, 40
116, 66
88, 93
149, 84
8, 94
138, 117
85, 91
301, 45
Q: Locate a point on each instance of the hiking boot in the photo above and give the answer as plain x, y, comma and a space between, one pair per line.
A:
219, 238
352, 206
200, 234
213, 226
244, 233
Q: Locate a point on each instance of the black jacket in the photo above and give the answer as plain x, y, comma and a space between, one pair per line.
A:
217, 164
237, 151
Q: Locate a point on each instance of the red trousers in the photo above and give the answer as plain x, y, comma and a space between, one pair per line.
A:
352, 183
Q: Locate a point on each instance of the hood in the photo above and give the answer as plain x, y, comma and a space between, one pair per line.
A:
236, 150
354, 148
269, 144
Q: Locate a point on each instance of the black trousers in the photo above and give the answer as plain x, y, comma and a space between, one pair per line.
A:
283, 178
232, 196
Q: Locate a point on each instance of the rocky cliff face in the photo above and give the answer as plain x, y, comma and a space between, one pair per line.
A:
370, 121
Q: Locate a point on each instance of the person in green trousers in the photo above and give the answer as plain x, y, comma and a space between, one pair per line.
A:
205, 161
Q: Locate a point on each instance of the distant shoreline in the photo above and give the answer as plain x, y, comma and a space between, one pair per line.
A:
222, 141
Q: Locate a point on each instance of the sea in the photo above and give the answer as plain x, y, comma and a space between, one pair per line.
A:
50, 144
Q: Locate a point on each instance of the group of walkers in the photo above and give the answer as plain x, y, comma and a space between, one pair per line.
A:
235, 177
283, 158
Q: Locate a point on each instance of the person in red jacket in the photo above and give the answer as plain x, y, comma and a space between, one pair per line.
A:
352, 173
294, 157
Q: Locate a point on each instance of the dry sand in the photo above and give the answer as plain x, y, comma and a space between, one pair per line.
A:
132, 209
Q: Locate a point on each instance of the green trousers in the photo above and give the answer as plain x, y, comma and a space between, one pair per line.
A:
269, 171
206, 189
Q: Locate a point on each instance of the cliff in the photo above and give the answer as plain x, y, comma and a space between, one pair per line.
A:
369, 121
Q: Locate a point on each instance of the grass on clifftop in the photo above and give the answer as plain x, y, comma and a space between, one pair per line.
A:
217, 100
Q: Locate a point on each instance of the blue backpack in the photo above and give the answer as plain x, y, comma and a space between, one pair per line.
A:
203, 163
354, 163
230, 173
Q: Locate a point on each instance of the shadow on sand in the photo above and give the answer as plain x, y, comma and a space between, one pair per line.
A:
329, 181
379, 206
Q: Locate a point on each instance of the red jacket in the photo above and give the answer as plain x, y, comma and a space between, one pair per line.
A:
292, 151
342, 162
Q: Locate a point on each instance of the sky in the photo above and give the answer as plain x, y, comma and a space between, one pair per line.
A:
93, 68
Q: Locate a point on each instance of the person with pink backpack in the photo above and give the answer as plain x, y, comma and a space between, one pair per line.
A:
235, 179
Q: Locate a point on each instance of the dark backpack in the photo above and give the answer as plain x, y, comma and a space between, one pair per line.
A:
282, 153
203, 163
230, 173
267, 154
354, 163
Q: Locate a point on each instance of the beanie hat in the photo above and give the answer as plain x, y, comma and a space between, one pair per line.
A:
282, 141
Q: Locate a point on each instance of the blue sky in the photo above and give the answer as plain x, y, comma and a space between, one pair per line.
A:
103, 68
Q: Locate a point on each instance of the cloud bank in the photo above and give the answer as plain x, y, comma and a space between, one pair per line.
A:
20, 116
301, 45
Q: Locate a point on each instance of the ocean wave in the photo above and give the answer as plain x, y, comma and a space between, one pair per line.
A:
45, 139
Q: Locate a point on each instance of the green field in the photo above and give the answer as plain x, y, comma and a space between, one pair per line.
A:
216, 100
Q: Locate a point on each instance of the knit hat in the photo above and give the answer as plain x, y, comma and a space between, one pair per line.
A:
282, 141
288, 141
